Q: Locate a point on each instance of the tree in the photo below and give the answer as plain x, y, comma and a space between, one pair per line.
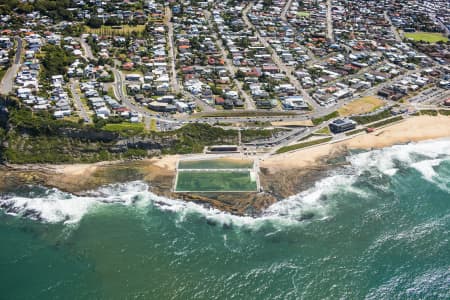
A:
240, 75
55, 61
94, 22
112, 21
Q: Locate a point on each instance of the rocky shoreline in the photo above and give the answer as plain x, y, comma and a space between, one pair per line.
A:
280, 176
276, 185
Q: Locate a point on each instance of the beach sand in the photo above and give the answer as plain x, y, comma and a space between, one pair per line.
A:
413, 129
281, 175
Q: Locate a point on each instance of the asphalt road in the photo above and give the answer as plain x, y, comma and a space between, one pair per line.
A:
172, 55
276, 59
7, 83
19, 51
78, 103
330, 34
231, 68
285, 10
86, 48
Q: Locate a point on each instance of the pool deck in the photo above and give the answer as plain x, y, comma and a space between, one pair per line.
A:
253, 171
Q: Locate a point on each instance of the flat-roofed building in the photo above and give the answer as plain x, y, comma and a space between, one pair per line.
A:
341, 125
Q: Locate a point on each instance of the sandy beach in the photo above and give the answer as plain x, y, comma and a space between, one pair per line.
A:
280, 175
413, 129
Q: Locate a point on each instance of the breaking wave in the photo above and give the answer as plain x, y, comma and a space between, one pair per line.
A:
424, 157
318, 202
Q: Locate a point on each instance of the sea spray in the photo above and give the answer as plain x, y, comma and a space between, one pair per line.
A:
372, 236
53, 206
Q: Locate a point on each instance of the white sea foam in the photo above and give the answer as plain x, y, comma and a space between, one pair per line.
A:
426, 168
423, 156
299, 206
56, 206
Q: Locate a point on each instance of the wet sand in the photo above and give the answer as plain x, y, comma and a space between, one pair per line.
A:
281, 175
413, 129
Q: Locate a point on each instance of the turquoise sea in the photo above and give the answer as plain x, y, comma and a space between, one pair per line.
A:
378, 228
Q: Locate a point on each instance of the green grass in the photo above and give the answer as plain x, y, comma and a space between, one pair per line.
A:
372, 118
444, 112
215, 164
323, 131
303, 14
303, 145
153, 126
318, 121
385, 122
201, 181
250, 135
429, 112
430, 37
2, 73
125, 129
353, 132
111, 92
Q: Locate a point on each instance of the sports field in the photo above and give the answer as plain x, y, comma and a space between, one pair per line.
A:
430, 37
361, 106
215, 181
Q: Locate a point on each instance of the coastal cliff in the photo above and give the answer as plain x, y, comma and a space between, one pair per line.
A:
35, 137
33, 147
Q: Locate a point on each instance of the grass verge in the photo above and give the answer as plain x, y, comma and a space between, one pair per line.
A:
303, 145
385, 122
317, 121
372, 118
353, 132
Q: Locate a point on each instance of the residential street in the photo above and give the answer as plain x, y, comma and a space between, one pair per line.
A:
172, 52
7, 83
77, 101
285, 10
250, 105
288, 71
86, 48
394, 30
330, 34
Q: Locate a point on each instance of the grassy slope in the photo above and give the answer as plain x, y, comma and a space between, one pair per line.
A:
125, 129
303, 145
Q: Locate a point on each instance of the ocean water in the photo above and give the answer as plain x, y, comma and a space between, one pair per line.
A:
376, 229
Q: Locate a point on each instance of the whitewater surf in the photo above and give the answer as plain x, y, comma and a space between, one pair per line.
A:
377, 228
